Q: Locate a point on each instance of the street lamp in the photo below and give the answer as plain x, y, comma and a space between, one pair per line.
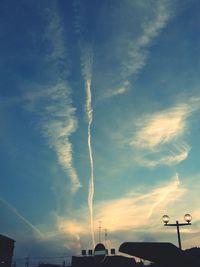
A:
187, 218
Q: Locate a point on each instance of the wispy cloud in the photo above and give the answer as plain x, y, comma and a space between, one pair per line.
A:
57, 122
34, 240
54, 40
137, 215
78, 17
131, 211
159, 136
117, 91
139, 210
40, 240
131, 48
53, 102
175, 154
157, 16
161, 128
164, 195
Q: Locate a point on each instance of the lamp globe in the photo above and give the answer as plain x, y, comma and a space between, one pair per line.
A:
165, 219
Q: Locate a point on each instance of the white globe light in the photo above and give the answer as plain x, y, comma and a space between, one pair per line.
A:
165, 219
188, 218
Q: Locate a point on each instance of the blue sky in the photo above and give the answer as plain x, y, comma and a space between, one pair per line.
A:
99, 109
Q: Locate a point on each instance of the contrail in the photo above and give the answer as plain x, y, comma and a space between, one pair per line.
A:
14, 210
91, 182
86, 68
87, 75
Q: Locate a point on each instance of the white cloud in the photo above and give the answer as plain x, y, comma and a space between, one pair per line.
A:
173, 156
138, 23
117, 91
132, 211
54, 40
166, 194
161, 128
157, 15
161, 13
159, 137
58, 123
53, 102
137, 215
134, 216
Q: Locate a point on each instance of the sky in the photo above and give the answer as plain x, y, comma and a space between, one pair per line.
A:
100, 120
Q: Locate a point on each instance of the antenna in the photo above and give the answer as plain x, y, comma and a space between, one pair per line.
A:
106, 235
99, 231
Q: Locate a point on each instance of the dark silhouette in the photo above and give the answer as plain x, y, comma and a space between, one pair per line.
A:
48, 265
161, 254
194, 252
110, 261
6, 251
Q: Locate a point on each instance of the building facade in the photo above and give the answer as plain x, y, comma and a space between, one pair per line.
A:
6, 251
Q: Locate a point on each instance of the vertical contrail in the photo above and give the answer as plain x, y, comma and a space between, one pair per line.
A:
86, 61
86, 68
87, 73
89, 112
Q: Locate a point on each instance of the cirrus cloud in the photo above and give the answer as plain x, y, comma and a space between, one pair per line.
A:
161, 128
159, 137
134, 210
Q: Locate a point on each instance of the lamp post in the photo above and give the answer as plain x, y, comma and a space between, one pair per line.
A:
187, 218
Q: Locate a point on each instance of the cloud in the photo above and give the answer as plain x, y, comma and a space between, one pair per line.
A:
57, 123
137, 215
79, 15
55, 42
159, 137
175, 154
138, 23
117, 91
86, 70
166, 194
52, 103
157, 16
133, 211
161, 128
33, 240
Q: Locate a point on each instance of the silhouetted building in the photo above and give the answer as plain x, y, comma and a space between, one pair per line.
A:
6, 251
193, 252
110, 261
53, 265
48, 265
162, 254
